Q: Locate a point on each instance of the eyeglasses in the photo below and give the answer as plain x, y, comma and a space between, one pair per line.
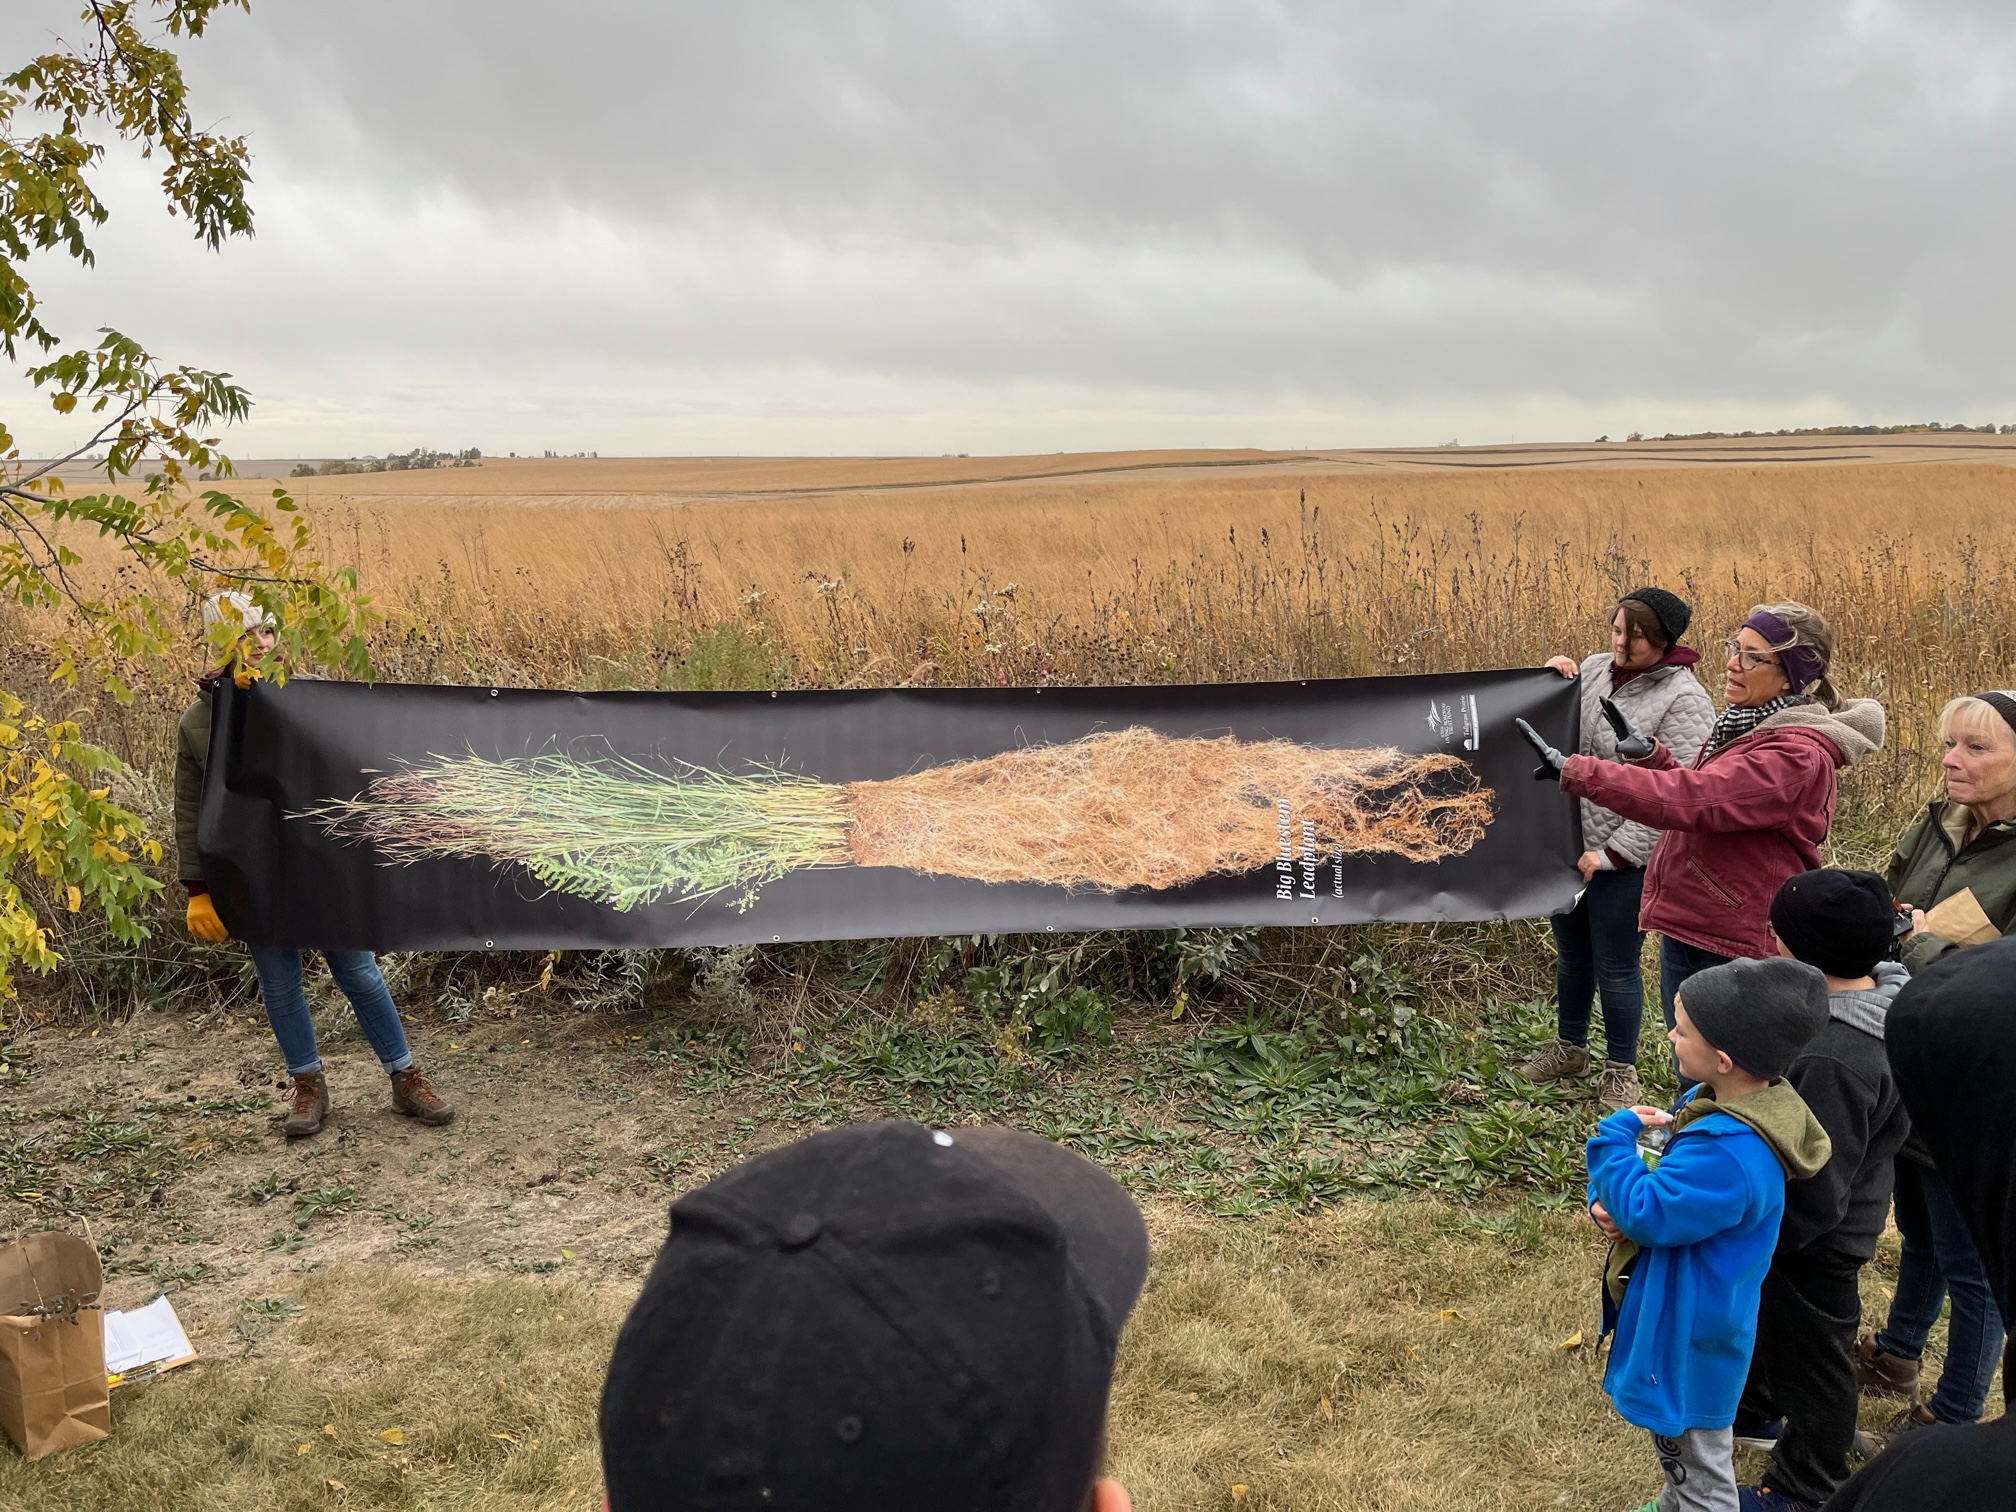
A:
1735, 650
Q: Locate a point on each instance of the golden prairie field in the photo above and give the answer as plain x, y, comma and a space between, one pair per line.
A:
1196, 566
1191, 567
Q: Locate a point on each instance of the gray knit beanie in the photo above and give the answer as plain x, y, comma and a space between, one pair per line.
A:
1760, 1014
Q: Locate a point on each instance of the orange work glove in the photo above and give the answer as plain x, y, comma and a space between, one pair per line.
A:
203, 921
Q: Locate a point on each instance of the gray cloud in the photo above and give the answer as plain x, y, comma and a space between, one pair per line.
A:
891, 225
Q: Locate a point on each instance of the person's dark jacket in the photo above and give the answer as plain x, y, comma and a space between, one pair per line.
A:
192, 753
1935, 860
1843, 1075
1952, 1041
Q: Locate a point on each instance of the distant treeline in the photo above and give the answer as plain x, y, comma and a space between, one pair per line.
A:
1924, 428
419, 458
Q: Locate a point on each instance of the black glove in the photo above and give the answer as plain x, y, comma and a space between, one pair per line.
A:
1551, 760
1632, 744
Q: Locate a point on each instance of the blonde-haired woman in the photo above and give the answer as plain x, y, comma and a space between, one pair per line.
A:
1965, 843
1962, 843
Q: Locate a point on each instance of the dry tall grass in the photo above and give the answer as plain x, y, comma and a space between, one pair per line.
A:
1204, 574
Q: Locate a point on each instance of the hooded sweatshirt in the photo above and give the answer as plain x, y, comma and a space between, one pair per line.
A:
1702, 1224
1844, 1076
1952, 1042
1737, 823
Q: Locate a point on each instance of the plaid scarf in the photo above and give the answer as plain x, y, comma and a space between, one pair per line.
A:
1733, 724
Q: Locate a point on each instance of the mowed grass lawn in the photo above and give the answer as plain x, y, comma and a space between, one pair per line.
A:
1379, 1355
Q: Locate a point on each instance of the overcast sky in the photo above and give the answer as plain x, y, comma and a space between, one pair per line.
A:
1037, 225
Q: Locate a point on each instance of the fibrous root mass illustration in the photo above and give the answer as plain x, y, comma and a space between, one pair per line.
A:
1118, 809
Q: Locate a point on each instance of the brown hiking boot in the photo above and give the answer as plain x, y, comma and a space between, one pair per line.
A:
1619, 1087
414, 1095
310, 1108
1917, 1415
1881, 1373
1560, 1061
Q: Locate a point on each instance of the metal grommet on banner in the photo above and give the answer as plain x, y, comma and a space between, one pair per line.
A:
1317, 920
775, 938
1049, 929
493, 692
489, 944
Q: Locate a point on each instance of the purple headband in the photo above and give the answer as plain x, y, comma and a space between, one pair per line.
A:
1801, 664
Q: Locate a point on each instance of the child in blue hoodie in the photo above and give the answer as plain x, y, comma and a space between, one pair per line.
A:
1692, 1202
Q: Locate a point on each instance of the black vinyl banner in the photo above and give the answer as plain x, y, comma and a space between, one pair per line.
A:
350, 816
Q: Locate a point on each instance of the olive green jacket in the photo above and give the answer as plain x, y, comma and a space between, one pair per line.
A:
192, 752
1935, 860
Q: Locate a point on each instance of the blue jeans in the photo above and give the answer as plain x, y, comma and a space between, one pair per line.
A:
1596, 946
356, 972
1940, 1259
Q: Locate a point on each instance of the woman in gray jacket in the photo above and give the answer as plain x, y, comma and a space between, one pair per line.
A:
1646, 673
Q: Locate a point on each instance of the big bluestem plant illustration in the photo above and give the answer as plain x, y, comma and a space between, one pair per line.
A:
1131, 808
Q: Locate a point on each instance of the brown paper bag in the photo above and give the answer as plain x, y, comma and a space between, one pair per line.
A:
1961, 920
52, 1344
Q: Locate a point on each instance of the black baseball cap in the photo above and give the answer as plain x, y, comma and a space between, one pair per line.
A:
878, 1317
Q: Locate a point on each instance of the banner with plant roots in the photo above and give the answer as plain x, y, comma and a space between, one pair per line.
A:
342, 815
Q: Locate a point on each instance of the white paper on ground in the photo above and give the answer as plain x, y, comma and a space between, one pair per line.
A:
145, 1336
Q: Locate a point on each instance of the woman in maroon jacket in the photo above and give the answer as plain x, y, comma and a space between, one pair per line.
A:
1755, 805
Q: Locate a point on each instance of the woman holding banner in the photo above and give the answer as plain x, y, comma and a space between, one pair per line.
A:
279, 971
1649, 676
1753, 807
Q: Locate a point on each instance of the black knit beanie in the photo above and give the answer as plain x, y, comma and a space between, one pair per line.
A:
1669, 609
2003, 702
1840, 921
1760, 1014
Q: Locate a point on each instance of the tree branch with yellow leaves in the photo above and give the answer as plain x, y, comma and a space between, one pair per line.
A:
148, 450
